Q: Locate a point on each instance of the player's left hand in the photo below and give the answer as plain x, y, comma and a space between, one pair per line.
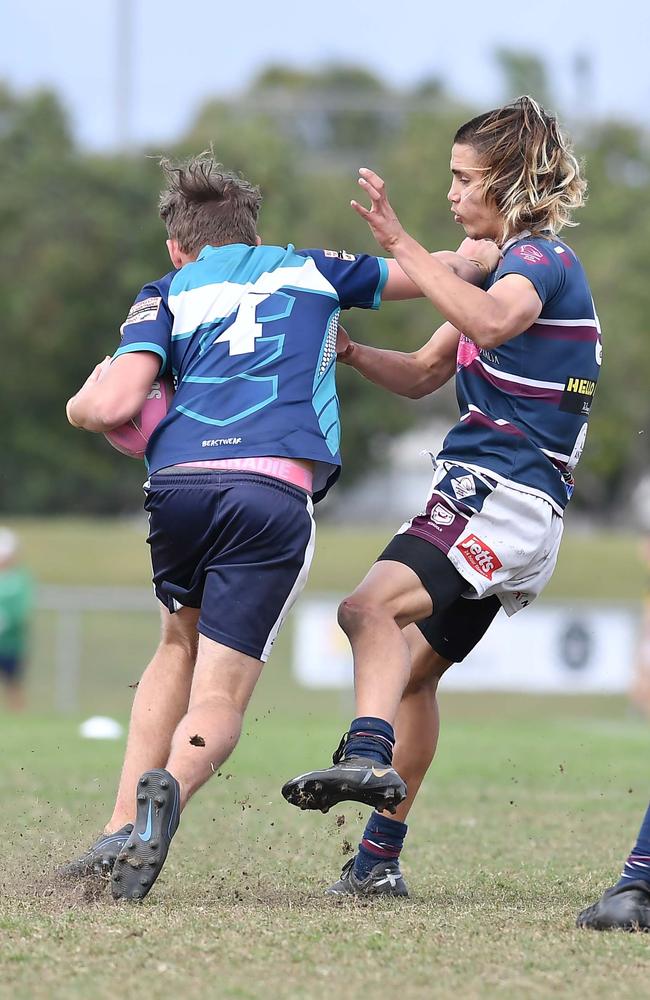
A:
385, 226
97, 374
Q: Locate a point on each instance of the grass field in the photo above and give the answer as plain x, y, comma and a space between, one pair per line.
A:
527, 815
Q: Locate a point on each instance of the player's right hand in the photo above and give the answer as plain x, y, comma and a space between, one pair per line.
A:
343, 344
381, 217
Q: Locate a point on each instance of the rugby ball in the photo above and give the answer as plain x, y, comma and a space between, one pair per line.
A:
132, 437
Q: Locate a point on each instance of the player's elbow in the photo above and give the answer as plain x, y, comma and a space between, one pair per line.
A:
487, 334
109, 413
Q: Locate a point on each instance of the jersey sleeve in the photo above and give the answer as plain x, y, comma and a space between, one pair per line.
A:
538, 262
358, 279
148, 325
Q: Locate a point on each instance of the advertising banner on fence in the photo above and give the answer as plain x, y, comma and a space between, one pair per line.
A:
553, 648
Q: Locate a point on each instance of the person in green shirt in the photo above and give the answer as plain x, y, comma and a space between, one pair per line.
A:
15, 614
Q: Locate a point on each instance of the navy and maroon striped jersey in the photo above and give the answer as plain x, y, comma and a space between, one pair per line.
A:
525, 405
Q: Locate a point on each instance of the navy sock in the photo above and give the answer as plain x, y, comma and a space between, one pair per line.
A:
383, 840
637, 865
372, 738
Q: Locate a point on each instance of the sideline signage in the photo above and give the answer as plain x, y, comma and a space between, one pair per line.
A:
553, 648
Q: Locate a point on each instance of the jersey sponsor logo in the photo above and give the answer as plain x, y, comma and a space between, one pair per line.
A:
218, 442
464, 486
578, 395
340, 254
479, 556
531, 254
143, 311
599, 352
442, 515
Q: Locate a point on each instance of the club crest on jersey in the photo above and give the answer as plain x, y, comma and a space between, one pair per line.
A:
442, 515
578, 395
479, 556
531, 254
464, 486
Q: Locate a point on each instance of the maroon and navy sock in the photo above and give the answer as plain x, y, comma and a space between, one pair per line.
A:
382, 840
372, 738
637, 865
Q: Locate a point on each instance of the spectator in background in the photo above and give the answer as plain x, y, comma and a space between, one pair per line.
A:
15, 613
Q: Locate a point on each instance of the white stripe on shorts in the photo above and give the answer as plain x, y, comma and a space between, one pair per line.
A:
301, 580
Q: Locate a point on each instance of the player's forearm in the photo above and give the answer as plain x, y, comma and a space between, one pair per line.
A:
400, 285
469, 309
396, 371
471, 271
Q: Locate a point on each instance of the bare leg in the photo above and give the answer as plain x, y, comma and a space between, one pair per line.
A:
223, 683
418, 722
389, 598
160, 702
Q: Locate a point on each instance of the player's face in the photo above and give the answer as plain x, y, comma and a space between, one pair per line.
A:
479, 219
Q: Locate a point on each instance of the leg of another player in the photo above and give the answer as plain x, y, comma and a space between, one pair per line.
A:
376, 865
160, 702
390, 597
417, 725
223, 683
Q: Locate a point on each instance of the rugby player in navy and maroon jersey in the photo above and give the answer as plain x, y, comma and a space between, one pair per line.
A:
250, 441
526, 352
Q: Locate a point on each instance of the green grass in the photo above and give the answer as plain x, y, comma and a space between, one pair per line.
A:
526, 817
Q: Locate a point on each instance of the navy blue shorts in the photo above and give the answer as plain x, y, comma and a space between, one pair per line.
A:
11, 666
237, 545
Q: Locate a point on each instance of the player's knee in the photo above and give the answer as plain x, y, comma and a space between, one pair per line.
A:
354, 611
362, 610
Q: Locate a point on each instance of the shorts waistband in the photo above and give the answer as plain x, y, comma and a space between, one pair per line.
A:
277, 468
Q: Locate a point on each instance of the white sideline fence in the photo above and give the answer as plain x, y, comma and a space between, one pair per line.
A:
69, 604
581, 647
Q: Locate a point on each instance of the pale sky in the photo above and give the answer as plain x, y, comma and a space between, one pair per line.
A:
186, 52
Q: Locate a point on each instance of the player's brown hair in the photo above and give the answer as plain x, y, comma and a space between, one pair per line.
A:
205, 204
529, 169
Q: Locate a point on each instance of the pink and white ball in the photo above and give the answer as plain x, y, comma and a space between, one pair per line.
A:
132, 437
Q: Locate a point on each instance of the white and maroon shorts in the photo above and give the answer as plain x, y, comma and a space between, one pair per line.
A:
502, 540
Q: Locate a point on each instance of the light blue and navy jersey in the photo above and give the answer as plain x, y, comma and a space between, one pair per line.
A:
525, 405
250, 335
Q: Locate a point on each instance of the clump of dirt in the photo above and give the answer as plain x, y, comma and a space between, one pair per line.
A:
197, 741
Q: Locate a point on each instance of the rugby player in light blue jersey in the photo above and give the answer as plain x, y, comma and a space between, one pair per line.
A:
250, 441
526, 352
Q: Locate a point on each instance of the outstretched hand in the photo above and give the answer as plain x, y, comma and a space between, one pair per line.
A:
385, 226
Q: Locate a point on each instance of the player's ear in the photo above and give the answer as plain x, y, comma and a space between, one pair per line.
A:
258, 240
175, 254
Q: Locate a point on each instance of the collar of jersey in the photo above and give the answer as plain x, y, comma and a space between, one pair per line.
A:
208, 250
524, 234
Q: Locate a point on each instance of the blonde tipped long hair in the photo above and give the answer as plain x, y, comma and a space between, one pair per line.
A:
529, 169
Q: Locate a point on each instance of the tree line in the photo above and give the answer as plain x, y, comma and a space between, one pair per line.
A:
80, 234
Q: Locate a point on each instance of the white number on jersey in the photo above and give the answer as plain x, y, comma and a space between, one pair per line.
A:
242, 334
